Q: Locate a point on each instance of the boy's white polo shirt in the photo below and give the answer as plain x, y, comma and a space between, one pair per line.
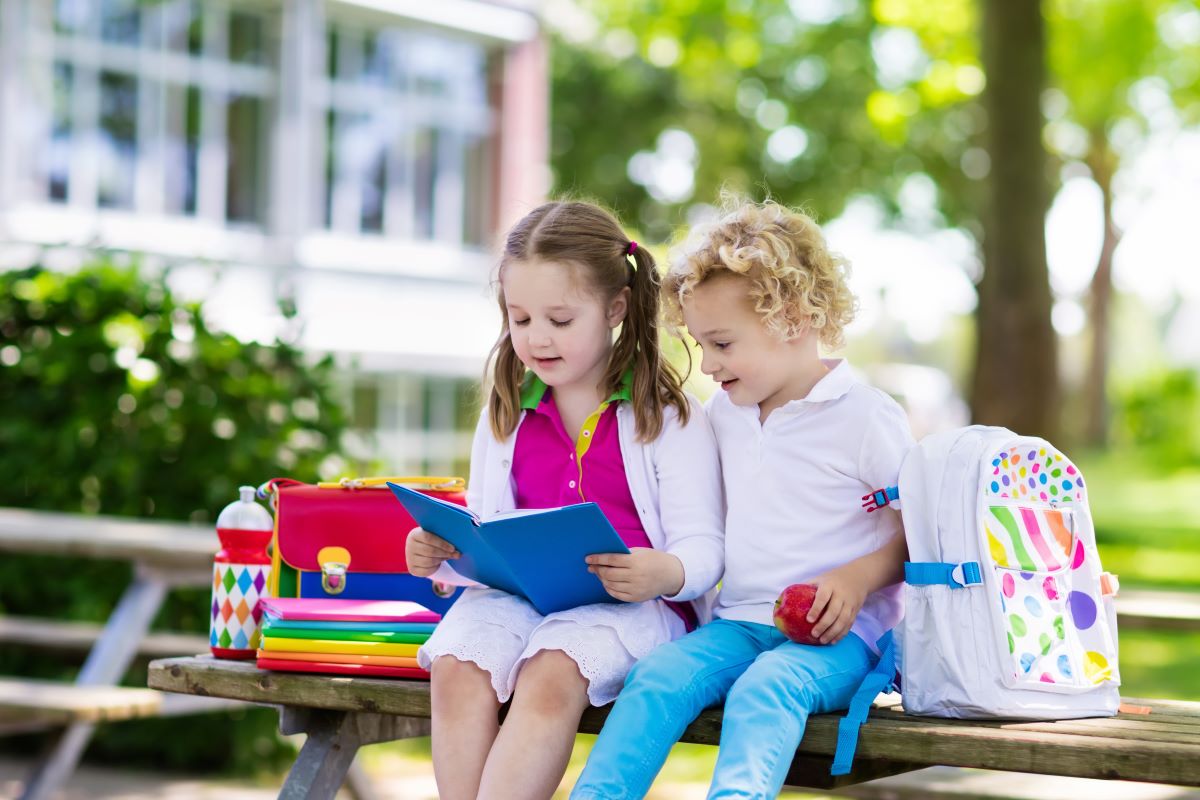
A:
794, 488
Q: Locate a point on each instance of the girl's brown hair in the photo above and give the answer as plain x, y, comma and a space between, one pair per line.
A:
590, 239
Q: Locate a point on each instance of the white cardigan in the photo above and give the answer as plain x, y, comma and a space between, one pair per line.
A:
675, 481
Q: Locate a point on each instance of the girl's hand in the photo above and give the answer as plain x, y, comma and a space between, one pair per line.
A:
643, 574
425, 552
840, 596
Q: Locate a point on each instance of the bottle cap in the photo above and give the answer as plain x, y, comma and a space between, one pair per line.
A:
245, 514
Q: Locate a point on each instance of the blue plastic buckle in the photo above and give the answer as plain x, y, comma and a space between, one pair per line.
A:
938, 573
966, 574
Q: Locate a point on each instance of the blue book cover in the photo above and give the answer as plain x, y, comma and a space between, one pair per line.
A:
535, 554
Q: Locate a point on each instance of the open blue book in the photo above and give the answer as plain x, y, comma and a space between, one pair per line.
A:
536, 554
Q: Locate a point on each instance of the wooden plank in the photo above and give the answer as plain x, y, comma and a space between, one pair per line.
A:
1157, 610
1109, 729
168, 544
1147, 727
242, 680
889, 735
170, 705
956, 743
1183, 707
969, 784
39, 699
48, 634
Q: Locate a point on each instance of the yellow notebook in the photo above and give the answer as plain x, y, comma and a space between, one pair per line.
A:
273, 645
341, 658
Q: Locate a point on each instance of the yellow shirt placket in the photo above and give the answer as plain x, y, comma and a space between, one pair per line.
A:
584, 443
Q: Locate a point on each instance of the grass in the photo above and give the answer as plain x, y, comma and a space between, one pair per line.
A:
685, 775
1147, 522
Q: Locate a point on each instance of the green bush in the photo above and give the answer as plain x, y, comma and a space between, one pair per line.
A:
1161, 417
117, 399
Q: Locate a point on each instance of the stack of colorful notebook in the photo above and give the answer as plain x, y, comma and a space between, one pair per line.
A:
348, 637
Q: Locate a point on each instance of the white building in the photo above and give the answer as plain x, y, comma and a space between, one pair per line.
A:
359, 157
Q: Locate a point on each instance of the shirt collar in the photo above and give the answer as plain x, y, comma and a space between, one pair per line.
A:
533, 390
833, 384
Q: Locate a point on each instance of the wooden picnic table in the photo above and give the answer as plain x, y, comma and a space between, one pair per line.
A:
164, 555
1159, 742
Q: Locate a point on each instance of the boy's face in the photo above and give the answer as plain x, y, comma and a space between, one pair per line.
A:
753, 365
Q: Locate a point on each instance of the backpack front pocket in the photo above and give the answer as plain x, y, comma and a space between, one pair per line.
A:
1056, 636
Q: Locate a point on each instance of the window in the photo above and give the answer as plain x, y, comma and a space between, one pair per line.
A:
157, 107
412, 424
408, 127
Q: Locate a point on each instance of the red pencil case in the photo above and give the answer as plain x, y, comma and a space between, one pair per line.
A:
363, 670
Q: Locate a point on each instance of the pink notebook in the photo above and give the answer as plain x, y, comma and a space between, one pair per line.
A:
321, 609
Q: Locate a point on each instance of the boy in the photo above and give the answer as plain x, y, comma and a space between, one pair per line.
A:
801, 441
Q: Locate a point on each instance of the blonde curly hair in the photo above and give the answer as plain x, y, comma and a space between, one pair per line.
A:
795, 281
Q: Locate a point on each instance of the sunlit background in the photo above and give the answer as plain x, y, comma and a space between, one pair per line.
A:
251, 239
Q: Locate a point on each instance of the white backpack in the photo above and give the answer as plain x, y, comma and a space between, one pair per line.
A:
1007, 612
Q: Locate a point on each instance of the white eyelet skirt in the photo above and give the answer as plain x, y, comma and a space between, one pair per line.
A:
499, 632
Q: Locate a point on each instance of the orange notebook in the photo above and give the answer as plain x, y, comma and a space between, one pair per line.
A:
339, 658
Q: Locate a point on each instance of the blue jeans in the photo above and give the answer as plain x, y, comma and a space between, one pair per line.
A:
769, 684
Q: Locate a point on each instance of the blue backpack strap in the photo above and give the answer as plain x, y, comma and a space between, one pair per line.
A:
956, 576
880, 679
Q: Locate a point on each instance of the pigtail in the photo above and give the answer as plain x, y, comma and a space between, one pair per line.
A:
504, 398
656, 382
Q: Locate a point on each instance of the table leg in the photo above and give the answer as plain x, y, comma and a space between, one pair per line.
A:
334, 738
105, 666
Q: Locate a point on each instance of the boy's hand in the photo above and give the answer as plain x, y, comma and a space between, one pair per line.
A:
840, 596
642, 575
425, 552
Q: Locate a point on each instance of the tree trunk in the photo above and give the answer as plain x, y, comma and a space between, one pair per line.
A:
1103, 164
1016, 365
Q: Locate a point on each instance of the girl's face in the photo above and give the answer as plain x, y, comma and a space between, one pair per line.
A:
560, 329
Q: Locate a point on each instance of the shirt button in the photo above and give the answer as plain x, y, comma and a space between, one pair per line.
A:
571, 484
587, 433
504, 463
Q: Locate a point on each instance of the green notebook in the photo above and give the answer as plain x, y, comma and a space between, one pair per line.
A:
393, 637
274, 623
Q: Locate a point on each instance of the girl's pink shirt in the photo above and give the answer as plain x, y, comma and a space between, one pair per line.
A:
546, 475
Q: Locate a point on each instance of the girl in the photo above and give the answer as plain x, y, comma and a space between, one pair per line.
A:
572, 416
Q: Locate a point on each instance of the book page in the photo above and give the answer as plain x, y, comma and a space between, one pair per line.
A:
522, 512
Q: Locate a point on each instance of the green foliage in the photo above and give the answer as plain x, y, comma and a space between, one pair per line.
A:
772, 102
1140, 40
1162, 417
882, 91
116, 399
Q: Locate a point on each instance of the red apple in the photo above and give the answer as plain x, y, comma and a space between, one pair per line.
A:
791, 613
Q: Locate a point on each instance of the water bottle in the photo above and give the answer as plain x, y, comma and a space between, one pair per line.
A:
241, 572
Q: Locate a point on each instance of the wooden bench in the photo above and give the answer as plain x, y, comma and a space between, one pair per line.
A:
1145, 609
341, 714
44, 634
164, 556
52, 701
